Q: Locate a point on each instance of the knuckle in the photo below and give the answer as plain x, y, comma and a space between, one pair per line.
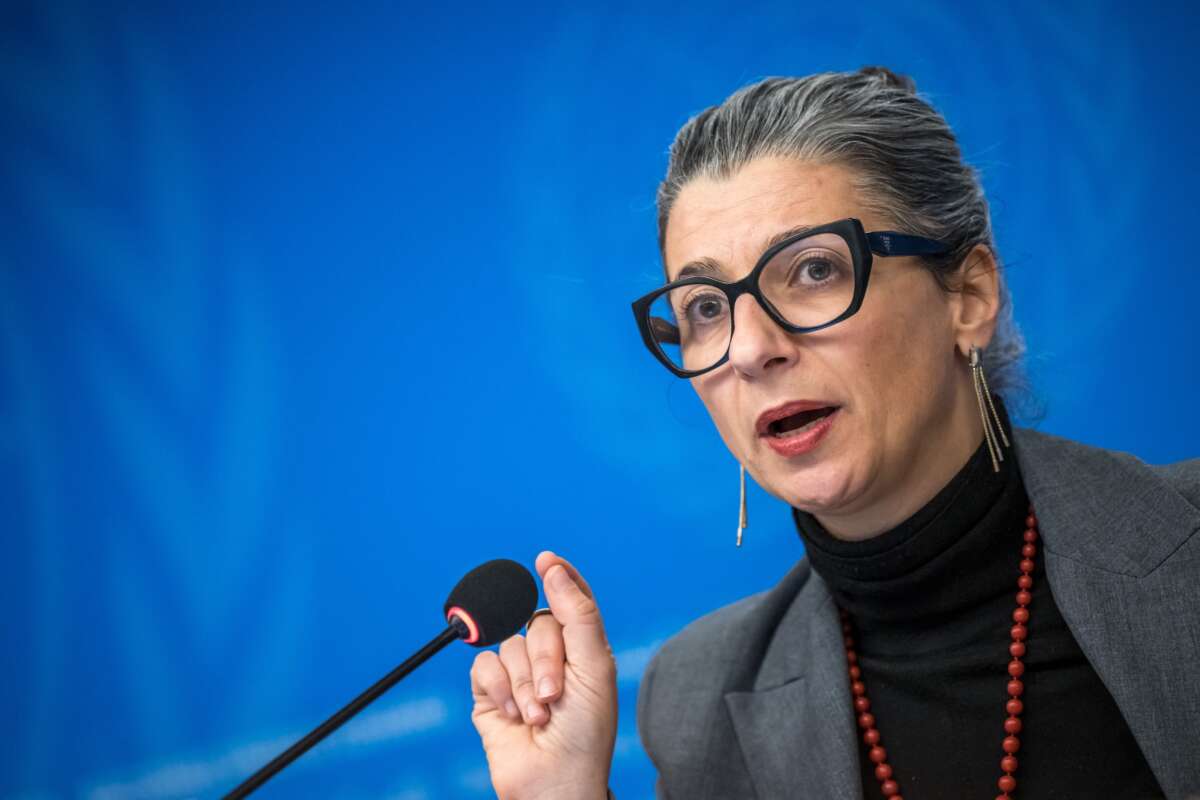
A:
482, 664
546, 662
538, 624
516, 642
546, 639
550, 642
586, 607
490, 676
497, 686
610, 664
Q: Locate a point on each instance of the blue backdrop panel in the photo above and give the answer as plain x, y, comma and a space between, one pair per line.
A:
305, 312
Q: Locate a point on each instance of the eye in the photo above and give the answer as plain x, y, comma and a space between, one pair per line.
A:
703, 308
817, 270
814, 271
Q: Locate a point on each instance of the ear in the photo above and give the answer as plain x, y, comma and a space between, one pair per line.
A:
976, 304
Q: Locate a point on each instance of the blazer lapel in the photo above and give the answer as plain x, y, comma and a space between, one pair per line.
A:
796, 727
1123, 559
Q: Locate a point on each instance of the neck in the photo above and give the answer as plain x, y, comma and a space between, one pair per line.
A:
936, 459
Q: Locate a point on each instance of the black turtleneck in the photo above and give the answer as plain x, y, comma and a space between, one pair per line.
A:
931, 602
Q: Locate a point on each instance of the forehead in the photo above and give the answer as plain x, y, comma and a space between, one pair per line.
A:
730, 220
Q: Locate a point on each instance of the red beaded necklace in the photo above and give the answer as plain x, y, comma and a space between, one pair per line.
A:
1016, 668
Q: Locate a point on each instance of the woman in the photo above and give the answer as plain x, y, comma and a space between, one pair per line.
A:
979, 608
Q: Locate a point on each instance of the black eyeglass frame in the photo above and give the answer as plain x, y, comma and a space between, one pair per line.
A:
862, 246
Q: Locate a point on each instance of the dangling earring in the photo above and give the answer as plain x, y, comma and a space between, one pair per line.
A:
742, 508
984, 395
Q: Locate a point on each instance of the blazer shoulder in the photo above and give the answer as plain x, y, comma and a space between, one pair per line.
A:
1043, 443
1185, 477
1106, 508
1051, 457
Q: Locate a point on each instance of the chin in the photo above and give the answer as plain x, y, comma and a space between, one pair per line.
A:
819, 489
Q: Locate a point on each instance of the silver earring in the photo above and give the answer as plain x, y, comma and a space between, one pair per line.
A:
984, 396
742, 508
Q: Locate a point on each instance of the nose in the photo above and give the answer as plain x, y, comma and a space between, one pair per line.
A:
758, 344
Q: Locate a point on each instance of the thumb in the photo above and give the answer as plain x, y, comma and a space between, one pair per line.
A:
584, 641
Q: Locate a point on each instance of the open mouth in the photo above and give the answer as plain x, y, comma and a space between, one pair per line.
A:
799, 422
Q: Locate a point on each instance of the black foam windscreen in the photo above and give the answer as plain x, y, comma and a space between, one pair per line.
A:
499, 598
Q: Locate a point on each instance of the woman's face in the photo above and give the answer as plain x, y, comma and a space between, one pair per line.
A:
881, 392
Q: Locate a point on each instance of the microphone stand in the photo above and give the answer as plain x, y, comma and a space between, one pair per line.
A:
457, 629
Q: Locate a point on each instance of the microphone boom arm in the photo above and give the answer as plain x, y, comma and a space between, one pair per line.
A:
457, 629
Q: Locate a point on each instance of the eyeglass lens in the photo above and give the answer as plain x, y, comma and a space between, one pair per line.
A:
809, 282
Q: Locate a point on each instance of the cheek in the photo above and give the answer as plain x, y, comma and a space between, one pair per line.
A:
899, 349
907, 357
716, 391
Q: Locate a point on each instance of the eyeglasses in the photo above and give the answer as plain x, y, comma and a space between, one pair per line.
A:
814, 278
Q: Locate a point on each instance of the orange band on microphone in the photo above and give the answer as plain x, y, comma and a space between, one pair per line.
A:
455, 611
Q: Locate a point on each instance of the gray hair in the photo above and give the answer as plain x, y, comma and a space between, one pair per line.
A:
905, 160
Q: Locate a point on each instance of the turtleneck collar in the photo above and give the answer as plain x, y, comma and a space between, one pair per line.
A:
938, 561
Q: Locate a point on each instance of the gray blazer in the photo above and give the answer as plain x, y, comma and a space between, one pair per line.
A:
751, 701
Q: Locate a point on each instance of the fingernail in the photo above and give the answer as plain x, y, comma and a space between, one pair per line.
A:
545, 687
559, 578
533, 711
510, 708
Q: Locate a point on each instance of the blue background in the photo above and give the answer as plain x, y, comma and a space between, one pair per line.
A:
304, 311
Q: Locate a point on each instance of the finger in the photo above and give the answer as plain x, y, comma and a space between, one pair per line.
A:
547, 558
584, 642
520, 676
544, 644
490, 684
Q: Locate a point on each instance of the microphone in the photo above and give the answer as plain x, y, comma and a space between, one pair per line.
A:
488, 605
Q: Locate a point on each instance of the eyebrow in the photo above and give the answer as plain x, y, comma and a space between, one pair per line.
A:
711, 268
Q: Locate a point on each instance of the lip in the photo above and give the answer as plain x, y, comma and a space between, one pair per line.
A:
786, 410
799, 443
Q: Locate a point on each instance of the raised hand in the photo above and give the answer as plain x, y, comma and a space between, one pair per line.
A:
546, 706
